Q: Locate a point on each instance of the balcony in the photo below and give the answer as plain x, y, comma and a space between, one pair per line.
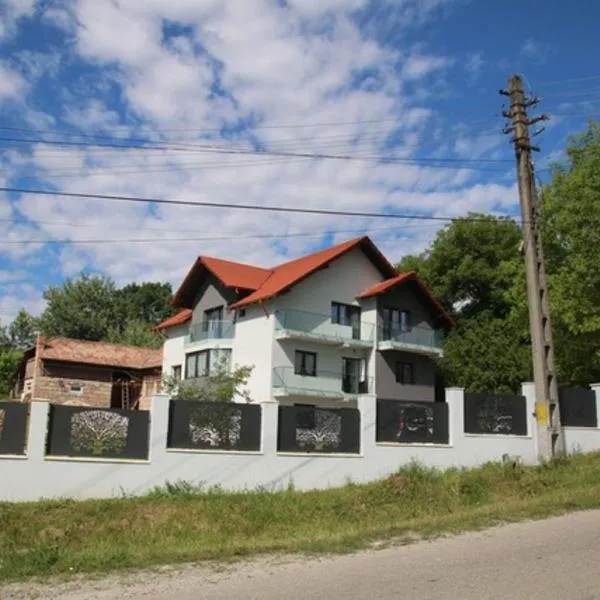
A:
420, 340
300, 325
210, 331
325, 384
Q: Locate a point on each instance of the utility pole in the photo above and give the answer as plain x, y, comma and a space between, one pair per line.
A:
550, 435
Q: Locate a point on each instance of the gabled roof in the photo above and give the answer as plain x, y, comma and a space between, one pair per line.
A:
98, 353
231, 274
388, 284
284, 276
183, 316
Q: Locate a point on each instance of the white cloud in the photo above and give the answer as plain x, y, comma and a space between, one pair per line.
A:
419, 66
535, 50
10, 13
11, 83
242, 59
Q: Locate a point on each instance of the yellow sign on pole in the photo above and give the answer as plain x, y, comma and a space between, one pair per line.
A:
541, 413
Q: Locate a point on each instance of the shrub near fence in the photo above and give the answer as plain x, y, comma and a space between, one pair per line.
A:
491, 414
214, 425
405, 422
77, 431
577, 408
13, 428
322, 430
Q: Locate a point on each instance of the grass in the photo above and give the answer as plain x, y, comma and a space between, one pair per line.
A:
178, 524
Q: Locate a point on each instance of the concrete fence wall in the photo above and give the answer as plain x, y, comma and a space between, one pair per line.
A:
36, 475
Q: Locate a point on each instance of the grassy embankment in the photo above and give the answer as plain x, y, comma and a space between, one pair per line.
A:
178, 524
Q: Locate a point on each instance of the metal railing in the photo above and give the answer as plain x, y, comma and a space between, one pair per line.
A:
326, 383
321, 326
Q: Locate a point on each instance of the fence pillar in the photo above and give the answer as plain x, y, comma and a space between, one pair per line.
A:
159, 425
38, 428
455, 399
528, 390
269, 427
367, 407
595, 387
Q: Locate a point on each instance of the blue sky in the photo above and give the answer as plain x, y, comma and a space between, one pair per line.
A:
203, 80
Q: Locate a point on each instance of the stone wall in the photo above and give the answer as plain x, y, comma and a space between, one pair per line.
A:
77, 385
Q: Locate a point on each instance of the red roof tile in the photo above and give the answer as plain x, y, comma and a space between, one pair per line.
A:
235, 275
230, 274
290, 273
183, 316
388, 284
99, 353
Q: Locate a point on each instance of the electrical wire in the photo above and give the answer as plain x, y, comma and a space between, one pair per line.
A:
232, 206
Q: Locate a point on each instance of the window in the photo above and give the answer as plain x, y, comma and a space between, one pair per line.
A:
344, 314
395, 321
242, 312
405, 373
196, 364
305, 363
305, 416
176, 372
76, 389
212, 324
353, 374
206, 362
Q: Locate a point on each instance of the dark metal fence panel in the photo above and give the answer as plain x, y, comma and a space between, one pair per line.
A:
214, 425
499, 415
314, 429
578, 407
406, 422
79, 431
13, 428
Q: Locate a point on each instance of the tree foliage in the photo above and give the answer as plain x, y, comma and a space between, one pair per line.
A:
476, 268
224, 385
91, 307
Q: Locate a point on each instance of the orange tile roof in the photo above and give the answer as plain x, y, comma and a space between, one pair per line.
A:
384, 286
388, 284
99, 353
230, 274
234, 274
183, 316
287, 274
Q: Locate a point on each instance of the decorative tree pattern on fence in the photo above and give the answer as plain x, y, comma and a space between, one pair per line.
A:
326, 435
494, 416
2, 420
216, 426
99, 432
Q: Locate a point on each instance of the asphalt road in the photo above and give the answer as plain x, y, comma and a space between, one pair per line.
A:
554, 559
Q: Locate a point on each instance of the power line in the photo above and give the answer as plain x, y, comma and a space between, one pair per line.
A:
102, 241
571, 80
232, 206
223, 150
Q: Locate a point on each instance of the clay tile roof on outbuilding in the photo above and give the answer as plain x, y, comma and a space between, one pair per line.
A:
99, 353
183, 316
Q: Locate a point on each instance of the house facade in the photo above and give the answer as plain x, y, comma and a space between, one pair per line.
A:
81, 373
321, 329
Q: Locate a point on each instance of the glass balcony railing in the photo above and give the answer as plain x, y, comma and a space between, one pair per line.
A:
320, 326
412, 336
211, 330
324, 384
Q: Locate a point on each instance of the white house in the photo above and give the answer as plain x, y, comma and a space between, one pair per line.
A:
321, 329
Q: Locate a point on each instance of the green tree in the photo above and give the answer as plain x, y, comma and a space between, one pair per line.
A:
470, 264
135, 333
9, 365
83, 308
487, 354
571, 232
147, 302
23, 331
